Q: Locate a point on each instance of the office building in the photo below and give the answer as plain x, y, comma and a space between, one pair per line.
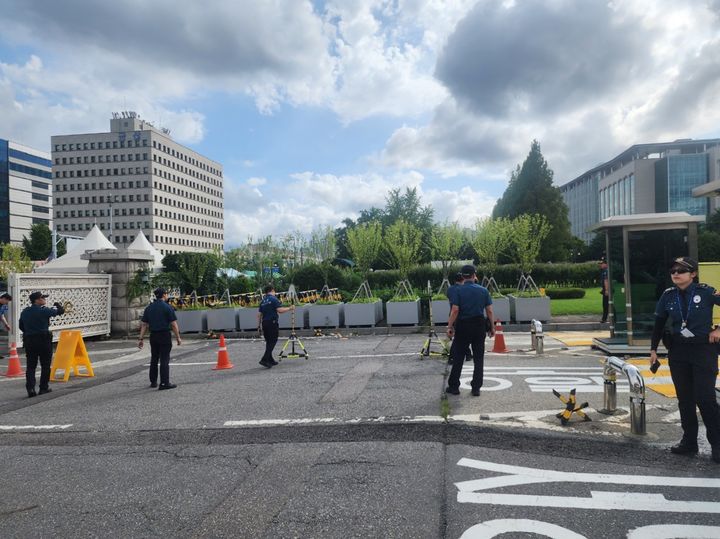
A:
25, 190
135, 177
645, 178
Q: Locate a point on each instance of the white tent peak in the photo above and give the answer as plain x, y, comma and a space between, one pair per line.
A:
141, 243
71, 262
94, 241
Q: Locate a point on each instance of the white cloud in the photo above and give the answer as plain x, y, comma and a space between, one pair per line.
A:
256, 182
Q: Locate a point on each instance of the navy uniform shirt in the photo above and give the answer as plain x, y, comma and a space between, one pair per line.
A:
158, 315
603, 278
694, 305
451, 291
35, 319
471, 298
269, 306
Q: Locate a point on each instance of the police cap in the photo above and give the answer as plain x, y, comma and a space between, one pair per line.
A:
468, 270
36, 295
685, 262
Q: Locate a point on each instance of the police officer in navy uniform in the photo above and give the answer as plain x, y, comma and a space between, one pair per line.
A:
268, 311
160, 318
37, 340
471, 310
459, 280
692, 354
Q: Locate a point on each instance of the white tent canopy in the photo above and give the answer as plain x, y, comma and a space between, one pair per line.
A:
141, 243
71, 262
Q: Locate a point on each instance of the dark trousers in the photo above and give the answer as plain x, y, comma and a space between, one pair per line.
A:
694, 369
606, 307
38, 348
271, 333
468, 332
160, 346
466, 354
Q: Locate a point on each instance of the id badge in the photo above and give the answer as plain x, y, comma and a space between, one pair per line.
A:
687, 333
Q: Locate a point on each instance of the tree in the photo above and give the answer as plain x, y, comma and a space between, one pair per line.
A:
14, 260
492, 238
531, 191
402, 243
322, 248
445, 244
39, 245
364, 243
709, 246
529, 232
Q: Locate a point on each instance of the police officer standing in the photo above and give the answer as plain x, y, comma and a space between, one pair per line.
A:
37, 340
459, 280
268, 311
471, 310
605, 290
692, 353
160, 318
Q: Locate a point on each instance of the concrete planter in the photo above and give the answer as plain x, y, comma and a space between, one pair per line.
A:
363, 314
440, 312
222, 319
527, 309
501, 309
326, 316
247, 318
191, 321
405, 313
301, 318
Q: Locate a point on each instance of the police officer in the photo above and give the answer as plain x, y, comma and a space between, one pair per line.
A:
37, 340
5, 299
268, 311
471, 310
605, 290
160, 318
451, 290
692, 353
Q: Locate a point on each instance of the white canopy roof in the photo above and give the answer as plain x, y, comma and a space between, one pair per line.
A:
71, 262
141, 243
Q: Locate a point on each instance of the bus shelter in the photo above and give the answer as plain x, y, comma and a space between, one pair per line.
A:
640, 250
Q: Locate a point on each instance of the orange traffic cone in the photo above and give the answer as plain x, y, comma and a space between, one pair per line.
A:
14, 363
499, 346
223, 358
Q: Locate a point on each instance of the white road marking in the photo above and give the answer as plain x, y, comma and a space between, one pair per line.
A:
34, 427
494, 528
469, 491
332, 420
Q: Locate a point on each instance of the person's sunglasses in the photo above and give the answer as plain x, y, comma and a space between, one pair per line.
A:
679, 271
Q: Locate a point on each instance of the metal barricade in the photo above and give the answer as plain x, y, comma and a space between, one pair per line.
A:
613, 365
536, 336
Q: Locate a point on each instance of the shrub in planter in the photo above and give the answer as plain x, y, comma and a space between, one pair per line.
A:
565, 293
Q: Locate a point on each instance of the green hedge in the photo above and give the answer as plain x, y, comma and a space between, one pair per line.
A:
565, 293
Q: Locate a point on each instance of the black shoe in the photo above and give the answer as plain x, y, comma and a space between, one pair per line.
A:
43, 391
716, 454
153, 384
273, 362
452, 390
265, 364
167, 386
684, 448
475, 392
31, 393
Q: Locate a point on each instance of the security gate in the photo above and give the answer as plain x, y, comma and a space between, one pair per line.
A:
86, 296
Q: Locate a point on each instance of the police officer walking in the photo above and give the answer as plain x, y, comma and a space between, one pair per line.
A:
268, 311
37, 340
692, 353
160, 318
459, 280
471, 310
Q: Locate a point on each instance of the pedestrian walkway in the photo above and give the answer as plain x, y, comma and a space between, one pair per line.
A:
576, 338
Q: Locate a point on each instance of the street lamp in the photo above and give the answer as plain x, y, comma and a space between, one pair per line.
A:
110, 200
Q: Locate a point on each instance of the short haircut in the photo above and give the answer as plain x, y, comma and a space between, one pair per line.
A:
268, 288
6, 296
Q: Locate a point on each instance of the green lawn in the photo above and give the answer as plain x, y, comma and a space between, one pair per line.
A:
590, 304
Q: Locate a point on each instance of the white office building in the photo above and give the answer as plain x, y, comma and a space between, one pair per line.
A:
135, 178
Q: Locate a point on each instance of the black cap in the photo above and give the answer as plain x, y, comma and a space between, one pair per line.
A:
458, 276
468, 270
36, 295
685, 262
159, 292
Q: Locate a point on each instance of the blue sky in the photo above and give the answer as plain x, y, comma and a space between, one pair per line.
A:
316, 110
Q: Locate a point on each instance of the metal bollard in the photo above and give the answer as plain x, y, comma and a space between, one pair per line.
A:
638, 420
532, 335
538, 332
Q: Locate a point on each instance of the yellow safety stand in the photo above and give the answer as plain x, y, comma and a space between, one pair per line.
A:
70, 354
293, 338
570, 407
432, 338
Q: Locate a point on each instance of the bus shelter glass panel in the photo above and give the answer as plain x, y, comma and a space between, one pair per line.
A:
650, 253
616, 274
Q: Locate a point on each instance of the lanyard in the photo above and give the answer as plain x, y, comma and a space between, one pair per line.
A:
684, 316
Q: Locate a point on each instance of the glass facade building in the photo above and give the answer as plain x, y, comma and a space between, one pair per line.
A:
581, 198
675, 178
618, 198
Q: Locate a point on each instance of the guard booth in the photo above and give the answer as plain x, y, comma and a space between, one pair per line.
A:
640, 250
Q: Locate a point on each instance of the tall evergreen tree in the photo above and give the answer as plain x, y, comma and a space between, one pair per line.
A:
531, 191
39, 245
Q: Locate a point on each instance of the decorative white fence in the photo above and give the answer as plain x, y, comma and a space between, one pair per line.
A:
89, 294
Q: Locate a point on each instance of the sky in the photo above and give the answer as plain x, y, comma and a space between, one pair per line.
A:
317, 109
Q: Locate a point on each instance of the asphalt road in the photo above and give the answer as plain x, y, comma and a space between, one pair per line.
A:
350, 443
